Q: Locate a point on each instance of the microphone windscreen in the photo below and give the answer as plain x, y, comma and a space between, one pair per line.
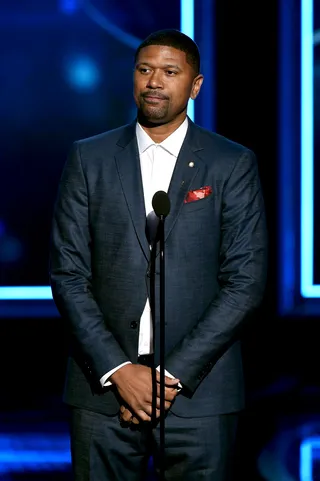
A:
161, 203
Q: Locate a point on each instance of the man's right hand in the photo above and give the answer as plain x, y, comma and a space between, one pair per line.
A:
134, 384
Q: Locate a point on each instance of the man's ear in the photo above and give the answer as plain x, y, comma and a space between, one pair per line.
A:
196, 86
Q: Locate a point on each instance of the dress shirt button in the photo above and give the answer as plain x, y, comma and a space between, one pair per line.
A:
134, 325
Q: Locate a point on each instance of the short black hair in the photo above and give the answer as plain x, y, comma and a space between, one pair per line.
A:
176, 39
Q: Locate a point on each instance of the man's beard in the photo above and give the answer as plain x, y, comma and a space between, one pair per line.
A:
156, 112
152, 112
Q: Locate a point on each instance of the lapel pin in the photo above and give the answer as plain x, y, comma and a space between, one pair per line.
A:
191, 164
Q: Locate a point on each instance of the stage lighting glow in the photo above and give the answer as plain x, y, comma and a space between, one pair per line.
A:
308, 288
69, 6
308, 449
34, 452
10, 249
83, 73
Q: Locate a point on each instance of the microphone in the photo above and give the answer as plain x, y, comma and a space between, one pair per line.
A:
161, 203
161, 206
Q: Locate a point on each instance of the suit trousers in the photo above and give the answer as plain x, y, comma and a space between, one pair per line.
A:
195, 448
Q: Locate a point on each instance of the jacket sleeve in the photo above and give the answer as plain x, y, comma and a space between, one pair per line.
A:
242, 277
70, 273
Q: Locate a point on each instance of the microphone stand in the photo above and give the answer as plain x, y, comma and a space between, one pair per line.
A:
162, 347
161, 205
152, 270
160, 237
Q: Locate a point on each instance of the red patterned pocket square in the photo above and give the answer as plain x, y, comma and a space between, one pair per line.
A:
198, 194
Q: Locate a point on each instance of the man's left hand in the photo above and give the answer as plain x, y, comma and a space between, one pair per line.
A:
126, 416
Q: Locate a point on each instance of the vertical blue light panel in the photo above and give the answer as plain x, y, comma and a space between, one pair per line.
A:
307, 449
206, 103
308, 288
187, 27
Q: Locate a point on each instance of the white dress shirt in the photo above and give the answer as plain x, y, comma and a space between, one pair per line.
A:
157, 162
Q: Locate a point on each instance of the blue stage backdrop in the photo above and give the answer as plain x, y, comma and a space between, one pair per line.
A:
66, 73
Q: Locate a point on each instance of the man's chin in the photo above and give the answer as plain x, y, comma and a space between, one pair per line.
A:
153, 115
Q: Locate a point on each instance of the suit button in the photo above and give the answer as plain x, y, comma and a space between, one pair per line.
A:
134, 325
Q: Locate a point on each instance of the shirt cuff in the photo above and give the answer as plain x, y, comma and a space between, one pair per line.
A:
104, 379
168, 374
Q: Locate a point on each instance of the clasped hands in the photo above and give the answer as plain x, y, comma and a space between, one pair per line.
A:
134, 385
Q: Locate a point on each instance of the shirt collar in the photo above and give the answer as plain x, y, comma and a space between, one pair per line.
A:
171, 144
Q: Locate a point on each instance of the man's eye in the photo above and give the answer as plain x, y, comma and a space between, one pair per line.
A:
144, 70
171, 73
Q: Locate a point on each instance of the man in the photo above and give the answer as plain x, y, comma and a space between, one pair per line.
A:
215, 245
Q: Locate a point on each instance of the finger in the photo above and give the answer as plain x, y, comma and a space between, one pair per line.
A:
167, 404
167, 380
143, 416
169, 394
126, 416
158, 412
135, 420
149, 410
171, 382
145, 407
122, 409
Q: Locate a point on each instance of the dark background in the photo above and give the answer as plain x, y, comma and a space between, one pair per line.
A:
42, 116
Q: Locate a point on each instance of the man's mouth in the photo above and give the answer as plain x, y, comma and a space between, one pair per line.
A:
154, 97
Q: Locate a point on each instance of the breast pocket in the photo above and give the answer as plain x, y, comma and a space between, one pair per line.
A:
198, 204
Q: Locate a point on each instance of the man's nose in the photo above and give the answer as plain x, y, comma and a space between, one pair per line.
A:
155, 81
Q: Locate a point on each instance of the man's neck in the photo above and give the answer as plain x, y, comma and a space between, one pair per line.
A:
159, 132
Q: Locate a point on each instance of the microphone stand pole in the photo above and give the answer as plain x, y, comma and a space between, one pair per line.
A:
161, 205
152, 272
160, 236
162, 347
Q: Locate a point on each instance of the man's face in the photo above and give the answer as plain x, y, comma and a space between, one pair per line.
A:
163, 83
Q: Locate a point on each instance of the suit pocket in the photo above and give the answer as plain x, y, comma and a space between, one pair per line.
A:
199, 204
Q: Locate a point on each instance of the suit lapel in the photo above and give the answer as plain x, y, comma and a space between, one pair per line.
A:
128, 164
187, 167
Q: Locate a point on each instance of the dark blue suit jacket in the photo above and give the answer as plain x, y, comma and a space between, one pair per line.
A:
215, 266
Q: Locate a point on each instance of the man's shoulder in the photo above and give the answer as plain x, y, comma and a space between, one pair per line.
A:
220, 144
109, 138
